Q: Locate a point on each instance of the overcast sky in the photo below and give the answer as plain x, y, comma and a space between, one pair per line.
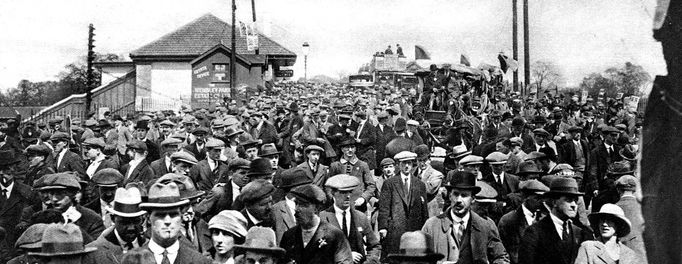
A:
581, 36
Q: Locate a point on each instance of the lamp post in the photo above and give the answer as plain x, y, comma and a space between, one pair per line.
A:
306, 50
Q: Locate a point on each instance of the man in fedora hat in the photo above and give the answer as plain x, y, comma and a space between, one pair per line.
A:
207, 172
283, 211
14, 196
64, 159
402, 204
164, 165
138, 169
256, 198
415, 248
60, 190
165, 217
140, 133
514, 223
363, 241
313, 240
127, 219
106, 182
555, 239
260, 247
460, 233
350, 164
269, 152
63, 243
314, 170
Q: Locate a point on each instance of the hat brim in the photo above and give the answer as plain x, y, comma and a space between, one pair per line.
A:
559, 193
461, 155
122, 214
277, 251
164, 205
270, 154
70, 253
497, 162
623, 225
474, 189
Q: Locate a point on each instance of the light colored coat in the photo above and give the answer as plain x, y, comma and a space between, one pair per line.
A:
594, 252
432, 178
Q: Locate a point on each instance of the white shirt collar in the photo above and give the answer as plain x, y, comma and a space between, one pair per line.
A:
71, 214
500, 176
558, 224
235, 190
530, 216
291, 205
167, 161
9, 189
456, 219
158, 251
122, 243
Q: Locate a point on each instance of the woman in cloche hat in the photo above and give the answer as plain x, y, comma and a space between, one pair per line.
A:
609, 224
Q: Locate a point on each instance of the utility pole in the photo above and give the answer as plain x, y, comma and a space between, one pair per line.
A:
90, 76
233, 55
515, 43
253, 12
526, 47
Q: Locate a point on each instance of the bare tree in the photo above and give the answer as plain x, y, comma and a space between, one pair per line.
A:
545, 74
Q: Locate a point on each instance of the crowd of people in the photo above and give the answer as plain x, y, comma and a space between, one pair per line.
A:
323, 173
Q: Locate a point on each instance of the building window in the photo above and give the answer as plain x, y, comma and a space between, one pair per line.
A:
219, 77
220, 67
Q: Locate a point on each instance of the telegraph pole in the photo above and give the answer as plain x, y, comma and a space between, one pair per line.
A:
526, 47
90, 73
515, 42
253, 12
233, 55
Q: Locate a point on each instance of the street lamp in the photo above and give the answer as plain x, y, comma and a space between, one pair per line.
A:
306, 50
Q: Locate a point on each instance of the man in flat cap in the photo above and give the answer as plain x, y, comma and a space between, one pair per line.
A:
503, 182
257, 200
164, 206
226, 191
363, 241
314, 170
460, 233
384, 134
514, 223
283, 211
97, 160
207, 172
198, 146
61, 190
164, 165
627, 186
339, 131
64, 159
38, 158
137, 170
402, 204
127, 219
313, 240
165, 130
141, 131
14, 196
350, 164
106, 181
183, 162
262, 129
29, 242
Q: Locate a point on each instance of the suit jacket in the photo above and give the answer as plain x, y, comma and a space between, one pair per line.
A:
284, 219
594, 252
10, 212
541, 244
188, 254
194, 149
218, 199
328, 246
153, 152
568, 152
269, 222
509, 185
480, 243
204, 177
511, 226
70, 162
633, 212
141, 173
432, 178
360, 234
382, 139
109, 246
320, 176
367, 137
267, 133
359, 169
90, 222
598, 164
159, 167
400, 212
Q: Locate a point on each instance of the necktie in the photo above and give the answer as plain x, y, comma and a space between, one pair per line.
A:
345, 224
3, 197
129, 246
406, 187
567, 226
459, 233
165, 259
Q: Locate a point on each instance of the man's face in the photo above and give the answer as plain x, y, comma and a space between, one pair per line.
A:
313, 156
165, 225
170, 149
252, 153
140, 133
611, 138
412, 128
58, 145
239, 177
540, 139
472, 168
497, 168
201, 137
422, 162
128, 228
59, 199
499, 146
461, 200
214, 153
348, 151
107, 193
575, 135
389, 170
189, 127
342, 199
7, 174
165, 130
304, 212
91, 152
182, 167
257, 257
254, 121
274, 161
261, 209
223, 242
566, 207
406, 166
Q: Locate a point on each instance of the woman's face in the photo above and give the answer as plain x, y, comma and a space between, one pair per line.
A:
222, 241
607, 228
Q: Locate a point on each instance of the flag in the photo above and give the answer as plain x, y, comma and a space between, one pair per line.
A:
464, 60
507, 63
420, 53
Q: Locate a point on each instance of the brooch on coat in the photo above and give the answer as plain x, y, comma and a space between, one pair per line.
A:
322, 242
